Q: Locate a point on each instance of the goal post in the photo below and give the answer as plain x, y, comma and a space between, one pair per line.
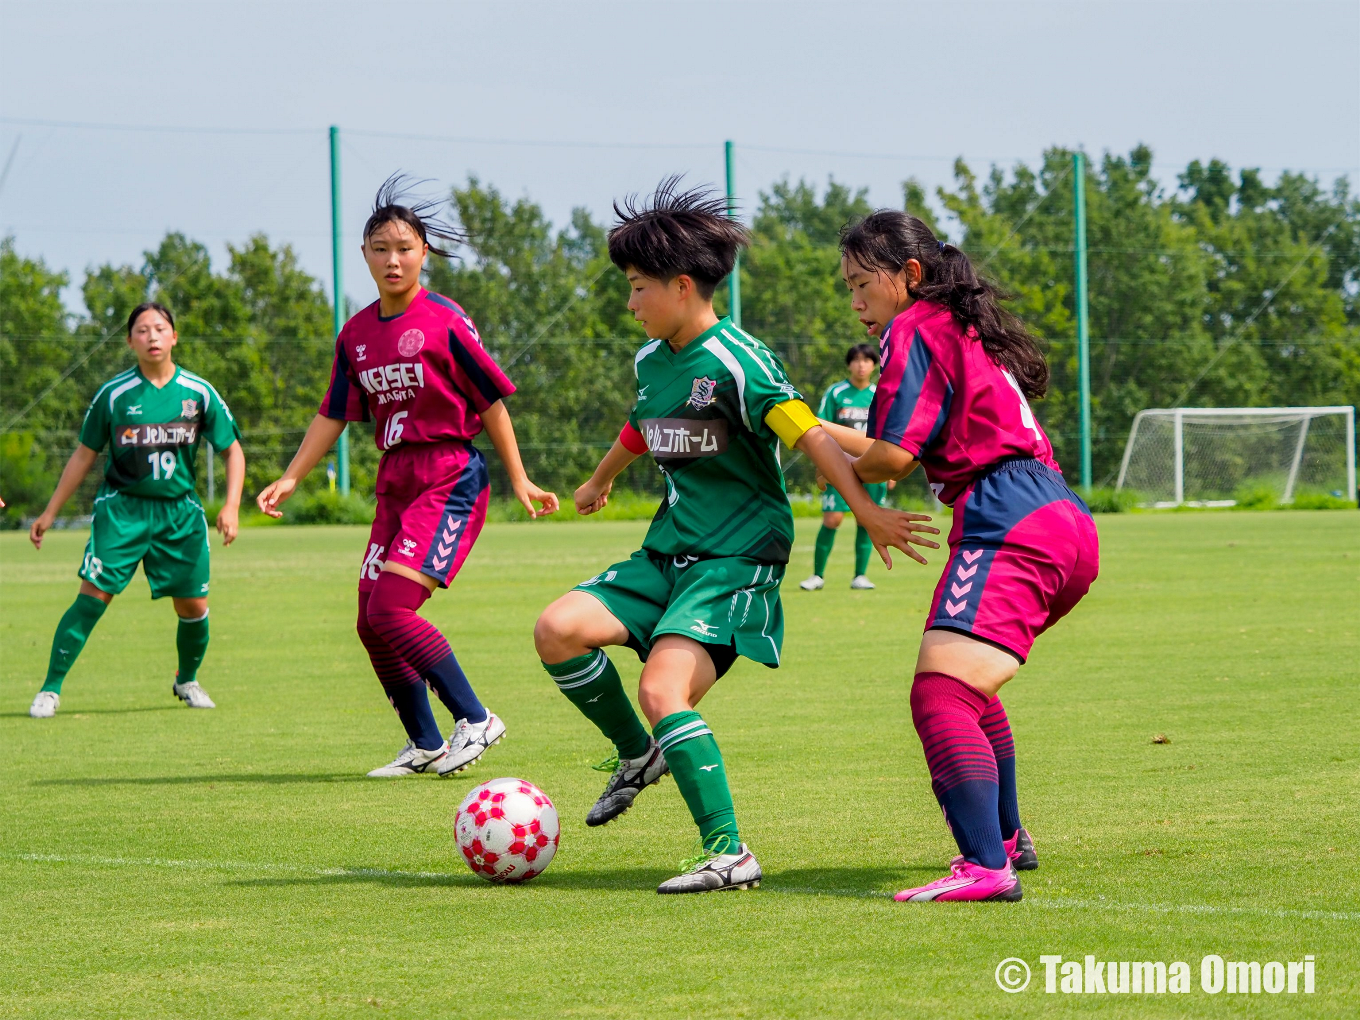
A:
1219, 455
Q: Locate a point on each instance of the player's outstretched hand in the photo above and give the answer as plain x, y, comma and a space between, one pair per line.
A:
528, 494
39, 528
898, 529
273, 494
228, 523
592, 497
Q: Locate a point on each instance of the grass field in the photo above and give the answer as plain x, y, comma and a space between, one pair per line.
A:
159, 862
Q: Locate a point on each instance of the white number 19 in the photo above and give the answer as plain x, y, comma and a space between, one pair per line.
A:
161, 463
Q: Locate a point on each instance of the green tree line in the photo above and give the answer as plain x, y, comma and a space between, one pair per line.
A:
1218, 289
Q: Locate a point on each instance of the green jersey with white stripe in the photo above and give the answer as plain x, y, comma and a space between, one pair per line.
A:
702, 411
845, 405
153, 434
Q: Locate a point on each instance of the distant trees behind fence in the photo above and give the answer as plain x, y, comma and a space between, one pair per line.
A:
1219, 290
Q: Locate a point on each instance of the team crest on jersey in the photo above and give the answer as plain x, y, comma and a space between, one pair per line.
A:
701, 393
188, 409
410, 342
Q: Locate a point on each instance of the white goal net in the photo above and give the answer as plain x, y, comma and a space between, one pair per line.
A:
1219, 456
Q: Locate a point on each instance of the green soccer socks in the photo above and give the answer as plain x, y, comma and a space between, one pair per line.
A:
864, 546
72, 633
592, 684
191, 641
826, 538
697, 765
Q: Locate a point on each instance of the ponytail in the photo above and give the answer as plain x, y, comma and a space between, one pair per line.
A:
887, 239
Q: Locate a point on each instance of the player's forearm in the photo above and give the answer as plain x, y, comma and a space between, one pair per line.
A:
613, 463
852, 441
883, 462
496, 421
71, 476
834, 465
235, 460
321, 436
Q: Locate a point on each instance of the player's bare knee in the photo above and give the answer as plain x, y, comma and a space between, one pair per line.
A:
191, 609
555, 634
833, 520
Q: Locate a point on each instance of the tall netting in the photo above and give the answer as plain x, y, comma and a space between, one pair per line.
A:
1239, 454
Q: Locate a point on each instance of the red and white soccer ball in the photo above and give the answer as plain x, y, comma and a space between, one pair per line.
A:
507, 830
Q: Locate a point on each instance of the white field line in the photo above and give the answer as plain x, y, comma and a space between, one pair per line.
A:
1043, 904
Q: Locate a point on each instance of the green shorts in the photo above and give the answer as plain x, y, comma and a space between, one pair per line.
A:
731, 603
168, 537
834, 503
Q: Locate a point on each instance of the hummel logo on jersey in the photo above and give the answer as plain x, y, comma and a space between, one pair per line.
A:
134, 409
188, 409
707, 768
701, 393
703, 629
408, 547
359, 350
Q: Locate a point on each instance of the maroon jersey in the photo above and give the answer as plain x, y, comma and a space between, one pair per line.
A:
946, 402
422, 376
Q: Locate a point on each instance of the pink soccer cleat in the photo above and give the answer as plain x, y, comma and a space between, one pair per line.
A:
967, 881
1019, 848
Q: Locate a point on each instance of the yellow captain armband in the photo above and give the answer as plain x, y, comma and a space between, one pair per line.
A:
790, 420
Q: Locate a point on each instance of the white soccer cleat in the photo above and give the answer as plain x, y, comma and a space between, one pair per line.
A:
192, 695
44, 705
813, 583
862, 583
469, 742
711, 872
412, 761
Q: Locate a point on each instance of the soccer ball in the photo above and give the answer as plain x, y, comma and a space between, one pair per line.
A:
507, 830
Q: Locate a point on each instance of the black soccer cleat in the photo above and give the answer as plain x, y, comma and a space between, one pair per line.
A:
1023, 856
631, 776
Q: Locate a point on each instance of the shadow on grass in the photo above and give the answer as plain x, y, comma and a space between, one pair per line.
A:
77, 713
635, 879
268, 779
857, 883
867, 882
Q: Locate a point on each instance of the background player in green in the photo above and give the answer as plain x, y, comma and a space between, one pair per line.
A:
712, 404
847, 403
153, 419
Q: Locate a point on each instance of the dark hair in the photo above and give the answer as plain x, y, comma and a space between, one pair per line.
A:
149, 306
885, 240
862, 351
391, 205
674, 232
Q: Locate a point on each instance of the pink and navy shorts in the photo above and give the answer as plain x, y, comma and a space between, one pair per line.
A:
431, 507
1022, 552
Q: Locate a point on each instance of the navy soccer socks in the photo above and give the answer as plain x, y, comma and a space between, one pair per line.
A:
998, 730
963, 769
404, 687
392, 613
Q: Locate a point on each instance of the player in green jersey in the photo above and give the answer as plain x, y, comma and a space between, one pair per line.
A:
153, 418
712, 405
847, 403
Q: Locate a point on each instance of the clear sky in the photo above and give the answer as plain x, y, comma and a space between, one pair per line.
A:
574, 103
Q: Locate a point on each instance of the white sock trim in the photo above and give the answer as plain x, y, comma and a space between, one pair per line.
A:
196, 619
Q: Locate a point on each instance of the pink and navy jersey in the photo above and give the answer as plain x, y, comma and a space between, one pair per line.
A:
946, 402
423, 376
